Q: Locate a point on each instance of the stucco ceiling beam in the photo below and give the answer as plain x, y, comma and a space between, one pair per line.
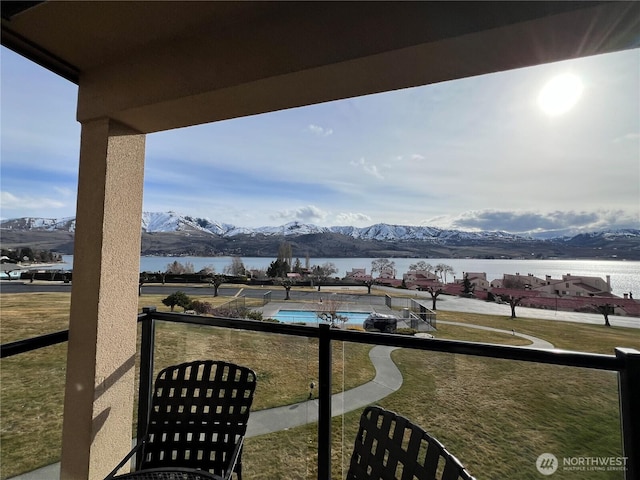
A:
194, 82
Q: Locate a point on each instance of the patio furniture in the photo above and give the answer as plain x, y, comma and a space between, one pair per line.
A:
388, 446
198, 420
169, 474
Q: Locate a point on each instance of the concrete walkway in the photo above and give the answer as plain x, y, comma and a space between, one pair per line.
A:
535, 341
388, 379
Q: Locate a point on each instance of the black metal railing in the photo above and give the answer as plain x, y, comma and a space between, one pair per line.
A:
266, 298
626, 362
235, 304
424, 313
35, 343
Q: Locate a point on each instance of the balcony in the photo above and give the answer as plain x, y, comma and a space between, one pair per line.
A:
212, 61
578, 406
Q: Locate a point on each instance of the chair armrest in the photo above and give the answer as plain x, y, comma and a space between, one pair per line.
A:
234, 459
127, 458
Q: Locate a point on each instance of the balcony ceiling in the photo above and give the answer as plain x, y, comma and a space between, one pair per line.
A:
160, 65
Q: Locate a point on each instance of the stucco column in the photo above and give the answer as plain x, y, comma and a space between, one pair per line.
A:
98, 404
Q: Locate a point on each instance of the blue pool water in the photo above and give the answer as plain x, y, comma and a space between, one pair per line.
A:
300, 316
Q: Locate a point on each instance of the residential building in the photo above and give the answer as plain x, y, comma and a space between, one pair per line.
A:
577, 286
420, 279
477, 279
359, 274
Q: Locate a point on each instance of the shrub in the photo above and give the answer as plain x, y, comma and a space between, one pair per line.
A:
356, 328
254, 315
230, 312
406, 331
178, 298
202, 308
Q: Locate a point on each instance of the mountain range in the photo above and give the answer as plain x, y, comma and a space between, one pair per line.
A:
170, 233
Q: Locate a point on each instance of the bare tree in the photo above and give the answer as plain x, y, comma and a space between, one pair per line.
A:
434, 291
322, 272
178, 268
328, 312
442, 270
369, 283
383, 264
208, 270
421, 266
287, 284
327, 269
285, 253
236, 268
514, 301
606, 310
215, 281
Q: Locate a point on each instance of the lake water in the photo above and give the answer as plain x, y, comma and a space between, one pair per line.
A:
625, 275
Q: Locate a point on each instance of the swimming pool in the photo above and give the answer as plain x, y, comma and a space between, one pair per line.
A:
309, 316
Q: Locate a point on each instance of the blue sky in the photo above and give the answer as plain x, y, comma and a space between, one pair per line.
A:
477, 153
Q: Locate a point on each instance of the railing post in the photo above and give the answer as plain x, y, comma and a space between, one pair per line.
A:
629, 388
146, 375
324, 408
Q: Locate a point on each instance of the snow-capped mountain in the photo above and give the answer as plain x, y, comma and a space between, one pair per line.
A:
169, 233
173, 222
292, 228
67, 224
383, 231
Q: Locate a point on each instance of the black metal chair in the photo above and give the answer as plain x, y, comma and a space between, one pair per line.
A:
388, 446
198, 420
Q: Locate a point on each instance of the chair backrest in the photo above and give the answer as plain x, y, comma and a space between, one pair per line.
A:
198, 414
390, 446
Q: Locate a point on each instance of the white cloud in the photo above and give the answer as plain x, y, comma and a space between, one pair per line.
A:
320, 131
440, 221
415, 157
627, 138
367, 167
306, 214
352, 218
529, 222
9, 201
66, 192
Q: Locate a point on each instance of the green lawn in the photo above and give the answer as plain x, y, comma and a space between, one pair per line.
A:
497, 416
